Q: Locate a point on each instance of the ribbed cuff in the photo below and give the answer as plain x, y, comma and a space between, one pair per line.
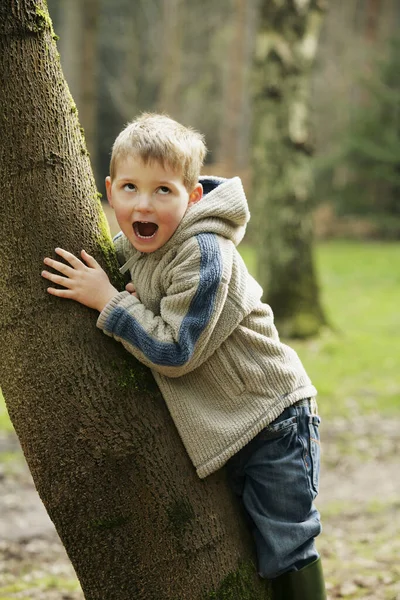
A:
109, 307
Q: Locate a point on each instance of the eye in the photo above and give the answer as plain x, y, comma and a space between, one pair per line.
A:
129, 187
163, 190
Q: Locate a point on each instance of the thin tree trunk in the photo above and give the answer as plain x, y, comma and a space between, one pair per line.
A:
79, 25
70, 30
374, 8
88, 75
172, 29
233, 147
134, 518
285, 50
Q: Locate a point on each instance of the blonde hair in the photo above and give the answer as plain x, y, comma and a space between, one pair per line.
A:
157, 137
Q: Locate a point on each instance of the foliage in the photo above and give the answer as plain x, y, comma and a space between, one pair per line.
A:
365, 169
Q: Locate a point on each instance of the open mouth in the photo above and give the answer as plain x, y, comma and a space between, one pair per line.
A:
144, 229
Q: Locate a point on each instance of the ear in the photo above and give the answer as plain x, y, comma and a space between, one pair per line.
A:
108, 190
196, 194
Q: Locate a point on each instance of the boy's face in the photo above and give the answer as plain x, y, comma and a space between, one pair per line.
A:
149, 201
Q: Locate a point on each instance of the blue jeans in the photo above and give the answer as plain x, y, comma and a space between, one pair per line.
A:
276, 477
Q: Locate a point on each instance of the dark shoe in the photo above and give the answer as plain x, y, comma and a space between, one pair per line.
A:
306, 584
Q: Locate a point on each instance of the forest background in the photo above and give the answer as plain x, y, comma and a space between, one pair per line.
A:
194, 61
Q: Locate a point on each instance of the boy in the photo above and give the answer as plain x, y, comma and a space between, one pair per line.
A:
193, 314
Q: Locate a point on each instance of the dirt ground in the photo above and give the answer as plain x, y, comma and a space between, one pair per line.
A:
359, 501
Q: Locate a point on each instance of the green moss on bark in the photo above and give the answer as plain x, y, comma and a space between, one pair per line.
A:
106, 246
132, 375
180, 514
109, 522
242, 584
42, 22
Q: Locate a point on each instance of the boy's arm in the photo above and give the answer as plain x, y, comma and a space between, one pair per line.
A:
189, 327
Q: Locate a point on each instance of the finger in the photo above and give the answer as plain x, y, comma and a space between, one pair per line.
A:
58, 266
130, 287
89, 260
60, 293
70, 258
65, 281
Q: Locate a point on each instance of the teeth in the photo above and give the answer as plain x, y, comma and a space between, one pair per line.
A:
137, 226
145, 237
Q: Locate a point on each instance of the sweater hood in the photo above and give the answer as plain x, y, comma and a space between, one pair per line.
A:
222, 210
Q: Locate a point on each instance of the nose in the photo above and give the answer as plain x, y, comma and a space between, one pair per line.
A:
143, 203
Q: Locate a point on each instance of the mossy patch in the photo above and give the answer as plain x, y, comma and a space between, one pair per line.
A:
106, 246
301, 326
42, 22
133, 375
180, 514
109, 522
242, 584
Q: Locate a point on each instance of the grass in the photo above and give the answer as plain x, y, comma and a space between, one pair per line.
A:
5, 424
354, 367
44, 583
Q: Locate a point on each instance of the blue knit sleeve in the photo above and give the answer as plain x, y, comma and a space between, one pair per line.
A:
176, 341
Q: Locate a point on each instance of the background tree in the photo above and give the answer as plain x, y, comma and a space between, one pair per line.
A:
286, 46
357, 146
79, 27
233, 151
369, 153
172, 31
107, 462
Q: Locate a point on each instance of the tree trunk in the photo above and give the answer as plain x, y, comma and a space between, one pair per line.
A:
172, 29
89, 76
285, 50
79, 24
106, 460
374, 9
233, 151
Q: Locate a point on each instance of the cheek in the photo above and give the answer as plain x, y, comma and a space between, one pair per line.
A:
122, 213
173, 215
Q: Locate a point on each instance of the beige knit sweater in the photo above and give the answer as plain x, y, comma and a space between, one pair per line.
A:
199, 324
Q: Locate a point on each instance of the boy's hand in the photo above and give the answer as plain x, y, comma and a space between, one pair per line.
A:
131, 289
85, 283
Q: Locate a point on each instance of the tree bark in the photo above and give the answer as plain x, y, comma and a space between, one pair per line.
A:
285, 51
233, 151
106, 460
374, 9
172, 29
79, 25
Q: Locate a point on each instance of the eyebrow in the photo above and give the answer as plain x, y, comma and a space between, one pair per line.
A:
128, 178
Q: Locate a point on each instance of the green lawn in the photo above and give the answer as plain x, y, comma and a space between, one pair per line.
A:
357, 366
5, 424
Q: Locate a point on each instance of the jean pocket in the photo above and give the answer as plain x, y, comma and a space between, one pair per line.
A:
278, 428
315, 451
